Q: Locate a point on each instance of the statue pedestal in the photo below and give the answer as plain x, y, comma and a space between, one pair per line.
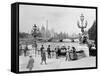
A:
84, 48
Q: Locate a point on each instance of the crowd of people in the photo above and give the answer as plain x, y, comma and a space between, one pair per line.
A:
45, 53
68, 52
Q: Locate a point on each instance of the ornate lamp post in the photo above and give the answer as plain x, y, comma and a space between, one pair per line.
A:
82, 26
34, 34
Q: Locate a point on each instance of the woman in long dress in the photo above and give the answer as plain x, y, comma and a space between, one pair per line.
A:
57, 51
30, 63
68, 54
25, 50
74, 53
49, 51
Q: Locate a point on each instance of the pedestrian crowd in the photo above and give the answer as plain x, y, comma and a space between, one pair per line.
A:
68, 52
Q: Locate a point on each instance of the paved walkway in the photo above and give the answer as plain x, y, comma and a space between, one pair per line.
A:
54, 63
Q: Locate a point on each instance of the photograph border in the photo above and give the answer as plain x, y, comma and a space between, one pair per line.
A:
15, 44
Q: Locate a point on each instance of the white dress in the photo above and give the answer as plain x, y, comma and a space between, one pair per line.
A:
67, 55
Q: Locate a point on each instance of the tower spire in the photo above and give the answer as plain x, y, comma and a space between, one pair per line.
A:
46, 25
46, 28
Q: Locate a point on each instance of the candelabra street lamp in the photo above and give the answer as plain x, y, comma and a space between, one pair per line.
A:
34, 34
82, 26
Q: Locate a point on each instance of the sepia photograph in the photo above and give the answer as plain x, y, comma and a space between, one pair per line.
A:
54, 38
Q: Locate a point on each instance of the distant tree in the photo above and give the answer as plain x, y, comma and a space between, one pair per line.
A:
39, 34
92, 32
23, 35
62, 35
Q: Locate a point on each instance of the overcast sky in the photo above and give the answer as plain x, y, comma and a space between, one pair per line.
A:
61, 19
